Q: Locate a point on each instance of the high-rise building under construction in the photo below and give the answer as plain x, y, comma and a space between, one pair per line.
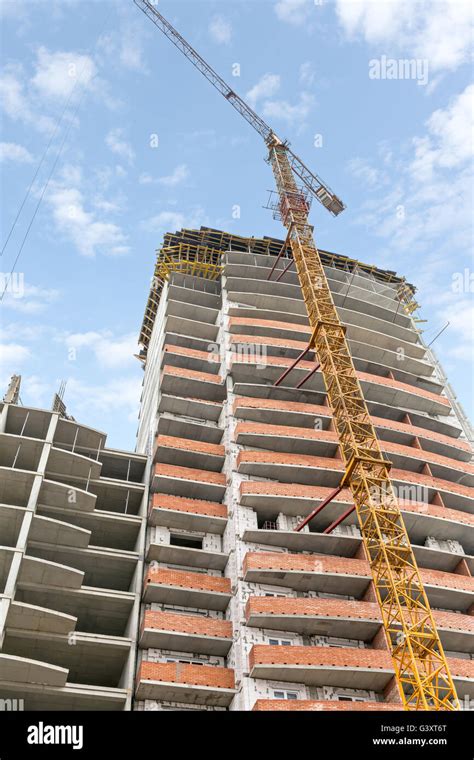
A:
244, 609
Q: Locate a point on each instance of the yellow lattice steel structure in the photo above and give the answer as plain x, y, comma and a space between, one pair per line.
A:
420, 664
183, 258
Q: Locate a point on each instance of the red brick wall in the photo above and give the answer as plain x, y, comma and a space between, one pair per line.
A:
206, 377
300, 606
290, 406
186, 444
187, 579
325, 705
265, 654
169, 621
170, 348
461, 668
330, 564
305, 563
178, 672
189, 473
450, 580
183, 504
276, 457
236, 321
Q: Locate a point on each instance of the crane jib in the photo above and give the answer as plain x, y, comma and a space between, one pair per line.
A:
319, 189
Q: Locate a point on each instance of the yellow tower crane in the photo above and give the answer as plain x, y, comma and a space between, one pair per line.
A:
421, 668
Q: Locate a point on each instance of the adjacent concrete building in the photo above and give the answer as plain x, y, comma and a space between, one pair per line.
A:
240, 612
72, 521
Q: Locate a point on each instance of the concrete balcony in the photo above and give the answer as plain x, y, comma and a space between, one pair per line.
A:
368, 355
180, 426
187, 514
186, 633
11, 518
179, 682
48, 573
58, 495
191, 311
71, 696
15, 486
421, 519
30, 617
122, 466
172, 554
189, 358
174, 323
57, 533
101, 567
302, 440
118, 531
349, 577
71, 466
189, 482
97, 610
378, 389
346, 619
311, 705
347, 546
188, 453
301, 572
349, 668
192, 384
187, 589
192, 295
262, 403
32, 423
89, 658
119, 496
327, 472
20, 452
73, 436
195, 408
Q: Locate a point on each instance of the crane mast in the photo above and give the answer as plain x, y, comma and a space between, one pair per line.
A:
420, 665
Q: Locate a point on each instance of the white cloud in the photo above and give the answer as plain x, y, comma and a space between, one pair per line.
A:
146, 179
167, 221
295, 12
307, 74
25, 298
58, 73
89, 233
120, 394
13, 354
125, 45
220, 30
114, 140
439, 31
460, 331
425, 219
266, 87
295, 113
15, 152
178, 175
111, 352
16, 103
363, 171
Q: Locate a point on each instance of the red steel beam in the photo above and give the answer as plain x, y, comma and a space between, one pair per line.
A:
310, 374
298, 359
292, 261
316, 511
339, 520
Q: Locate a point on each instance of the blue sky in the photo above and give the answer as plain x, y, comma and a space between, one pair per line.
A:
393, 140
